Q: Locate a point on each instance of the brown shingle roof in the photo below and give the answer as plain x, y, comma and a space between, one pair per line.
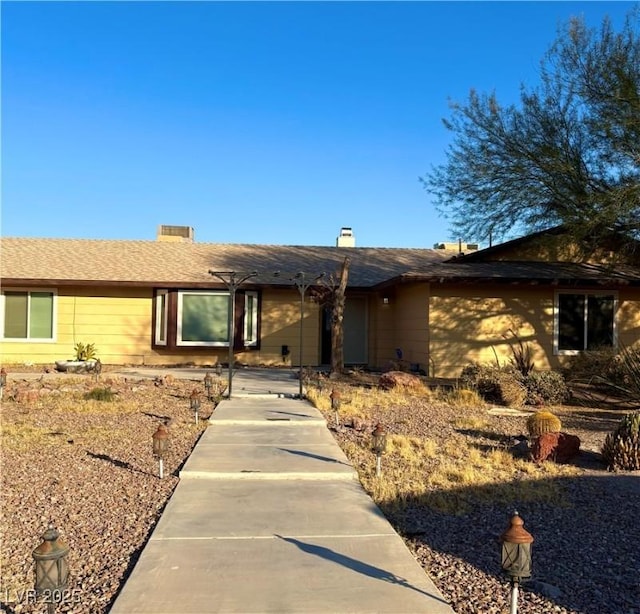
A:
158, 263
525, 272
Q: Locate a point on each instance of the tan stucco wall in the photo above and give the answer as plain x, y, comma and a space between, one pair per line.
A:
629, 316
411, 313
470, 324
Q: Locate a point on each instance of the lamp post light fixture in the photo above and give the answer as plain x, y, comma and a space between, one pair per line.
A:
194, 403
97, 369
208, 383
52, 568
161, 445
3, 380
335, 397
516, 556
232, 280
379, 445
303, 283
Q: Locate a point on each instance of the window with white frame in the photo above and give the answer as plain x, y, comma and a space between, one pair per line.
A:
162, 312
200, 318
28, 314
250, 318
203, 318
584, 321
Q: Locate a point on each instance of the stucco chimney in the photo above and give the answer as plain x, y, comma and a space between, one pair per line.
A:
183, 234
346, 238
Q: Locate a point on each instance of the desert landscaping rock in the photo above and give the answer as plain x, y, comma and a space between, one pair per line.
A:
92, 474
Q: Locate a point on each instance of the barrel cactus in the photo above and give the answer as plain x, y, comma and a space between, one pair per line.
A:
621, 449
543, 422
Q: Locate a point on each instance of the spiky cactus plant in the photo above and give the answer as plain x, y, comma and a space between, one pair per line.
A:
621, 449
543, 422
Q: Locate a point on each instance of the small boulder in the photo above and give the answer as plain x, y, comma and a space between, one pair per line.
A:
558, 447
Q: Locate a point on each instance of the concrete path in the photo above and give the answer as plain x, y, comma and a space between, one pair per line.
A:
269, 517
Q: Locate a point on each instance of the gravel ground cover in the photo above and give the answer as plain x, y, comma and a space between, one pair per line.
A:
586, 554
87, 467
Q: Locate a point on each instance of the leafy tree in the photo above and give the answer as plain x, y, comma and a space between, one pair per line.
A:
568, 153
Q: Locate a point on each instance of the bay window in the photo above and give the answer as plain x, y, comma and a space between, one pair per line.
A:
200, 318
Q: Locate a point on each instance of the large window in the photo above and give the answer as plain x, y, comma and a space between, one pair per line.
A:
584, 321
195, 318
28, 314
203, 318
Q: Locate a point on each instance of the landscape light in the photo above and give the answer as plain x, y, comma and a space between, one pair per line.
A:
208, 383
52, 568
516, 556
336, 401
194, 403
161, 445
378, 445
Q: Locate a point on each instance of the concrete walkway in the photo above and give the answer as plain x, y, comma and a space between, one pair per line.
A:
269, 516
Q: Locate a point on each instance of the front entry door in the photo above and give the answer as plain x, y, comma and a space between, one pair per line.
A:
355, 332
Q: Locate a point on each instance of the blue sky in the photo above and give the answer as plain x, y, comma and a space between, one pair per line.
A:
253, 122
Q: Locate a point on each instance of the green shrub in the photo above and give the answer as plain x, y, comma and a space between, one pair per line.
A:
546, 388
621, 449
100, 394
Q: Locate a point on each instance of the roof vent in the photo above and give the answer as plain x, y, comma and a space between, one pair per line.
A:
346, 238
175, 233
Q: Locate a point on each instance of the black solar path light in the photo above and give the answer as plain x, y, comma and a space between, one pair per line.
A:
516, 556
160, 446
208, 383
379, 445
335, 397
194, 404
52, 568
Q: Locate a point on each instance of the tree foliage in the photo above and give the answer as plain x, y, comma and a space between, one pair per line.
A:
568, 153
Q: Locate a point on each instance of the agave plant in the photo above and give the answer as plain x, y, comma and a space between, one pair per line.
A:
85, 352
